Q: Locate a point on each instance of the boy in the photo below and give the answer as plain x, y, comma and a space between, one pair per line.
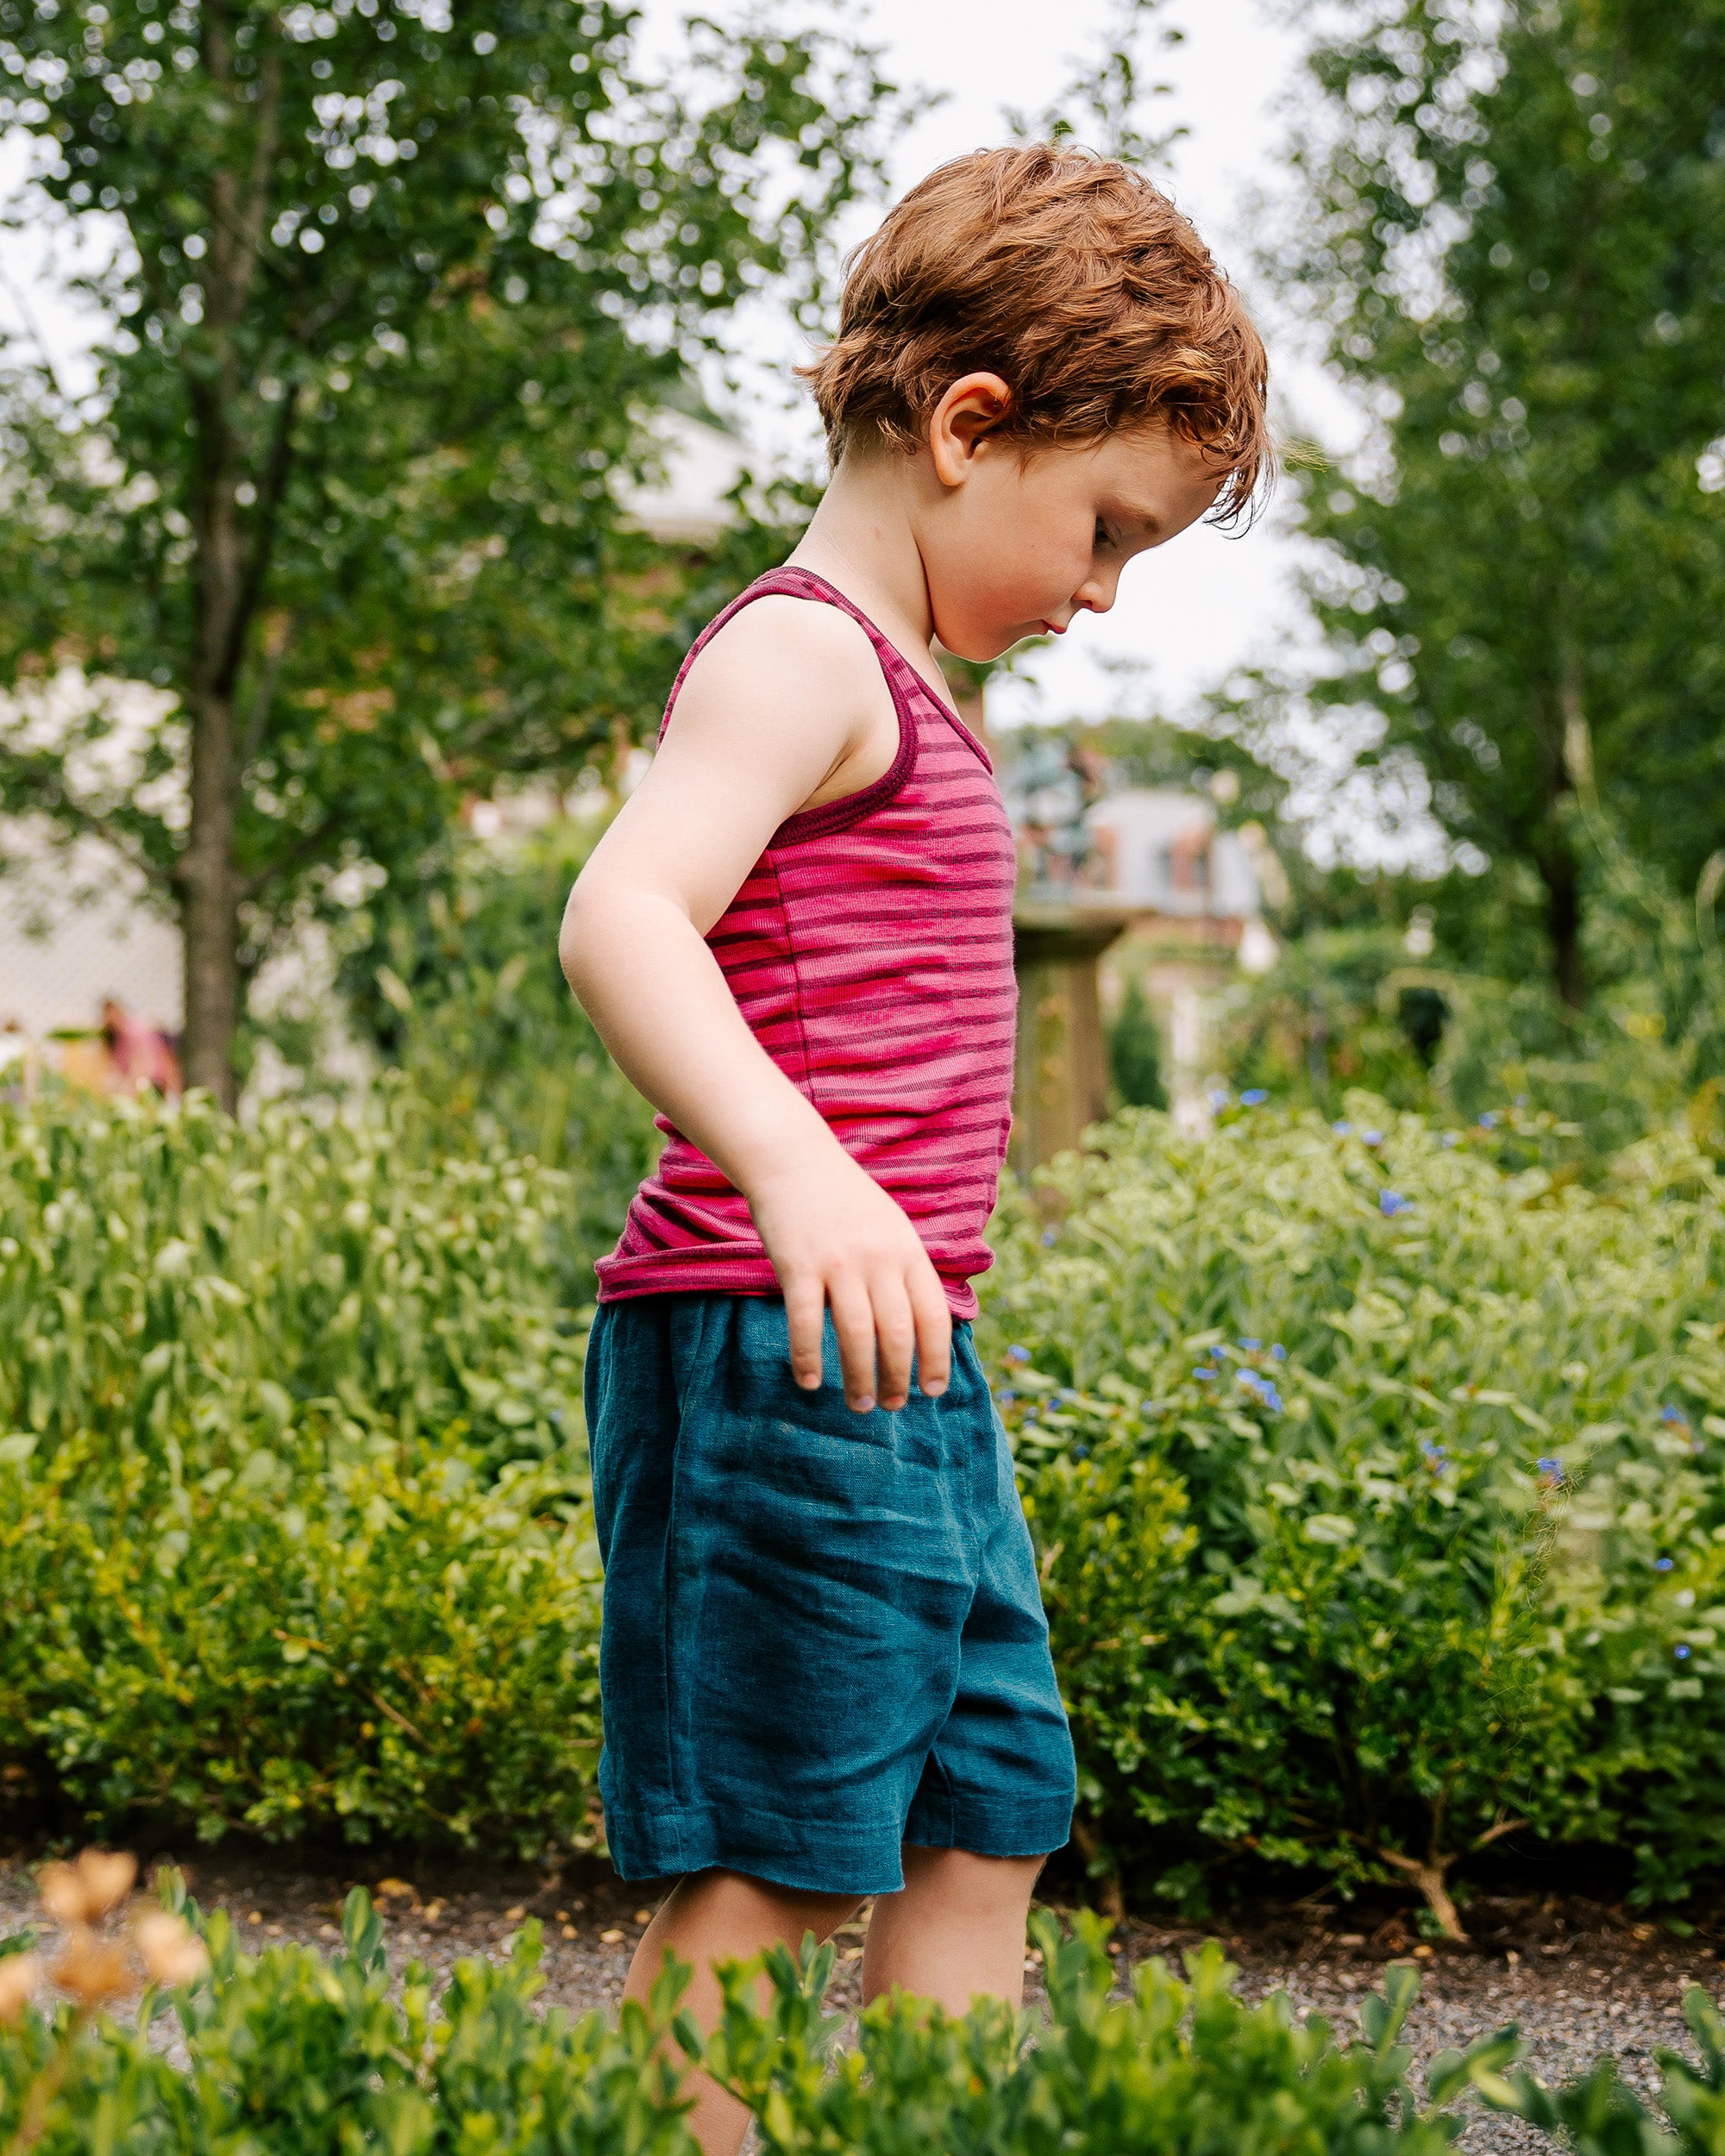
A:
826, 1671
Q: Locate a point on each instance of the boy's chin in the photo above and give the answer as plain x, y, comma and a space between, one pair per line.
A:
980, 650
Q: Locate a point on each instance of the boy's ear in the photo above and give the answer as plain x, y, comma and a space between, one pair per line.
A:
970, 410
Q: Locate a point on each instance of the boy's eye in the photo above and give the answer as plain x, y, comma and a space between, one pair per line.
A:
1104, 536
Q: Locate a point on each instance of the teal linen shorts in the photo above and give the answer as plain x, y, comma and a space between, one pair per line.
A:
823, 1633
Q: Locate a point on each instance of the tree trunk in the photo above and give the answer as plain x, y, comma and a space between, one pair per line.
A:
229, 576
210, 910
1562, 879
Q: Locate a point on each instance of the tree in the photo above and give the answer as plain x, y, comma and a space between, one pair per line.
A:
1512, 243
392, 299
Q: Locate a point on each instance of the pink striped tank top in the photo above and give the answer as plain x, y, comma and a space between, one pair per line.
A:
870, 949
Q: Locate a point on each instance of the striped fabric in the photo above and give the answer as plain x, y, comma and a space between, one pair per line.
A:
871, 948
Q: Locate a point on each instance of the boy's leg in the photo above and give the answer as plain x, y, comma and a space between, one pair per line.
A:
955, 1930
724, 1916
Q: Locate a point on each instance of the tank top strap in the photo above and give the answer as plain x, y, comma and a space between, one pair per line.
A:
902, 679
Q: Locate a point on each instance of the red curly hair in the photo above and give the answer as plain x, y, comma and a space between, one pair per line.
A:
1074, 279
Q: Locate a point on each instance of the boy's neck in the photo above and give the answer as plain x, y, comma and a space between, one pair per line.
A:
863, 540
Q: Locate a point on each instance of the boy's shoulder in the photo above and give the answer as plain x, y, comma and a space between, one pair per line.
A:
779, 630
782, 649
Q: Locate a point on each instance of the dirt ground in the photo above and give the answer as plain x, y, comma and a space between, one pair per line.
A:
1577, 1979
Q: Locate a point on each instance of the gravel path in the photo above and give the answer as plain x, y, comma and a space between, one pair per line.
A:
1577, 1979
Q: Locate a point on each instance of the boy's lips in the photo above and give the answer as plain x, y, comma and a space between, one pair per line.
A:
1055, 627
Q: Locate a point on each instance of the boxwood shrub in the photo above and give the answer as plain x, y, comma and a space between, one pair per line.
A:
1377, 1489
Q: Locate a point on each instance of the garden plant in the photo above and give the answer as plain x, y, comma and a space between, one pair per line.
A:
143, 2026
1371, 1468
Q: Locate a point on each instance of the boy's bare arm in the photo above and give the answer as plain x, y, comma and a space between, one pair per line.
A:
775, 709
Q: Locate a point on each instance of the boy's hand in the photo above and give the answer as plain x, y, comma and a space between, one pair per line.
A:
835, 1236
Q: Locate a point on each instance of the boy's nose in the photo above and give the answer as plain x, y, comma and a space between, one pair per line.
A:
1095, 598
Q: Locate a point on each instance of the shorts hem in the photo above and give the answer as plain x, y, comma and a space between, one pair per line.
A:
991, 1830
669, 1845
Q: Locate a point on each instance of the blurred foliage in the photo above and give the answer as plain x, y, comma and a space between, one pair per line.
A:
1374, 1473
1135, 1051
293, 1522
1511, 244
393, 300
292, 2054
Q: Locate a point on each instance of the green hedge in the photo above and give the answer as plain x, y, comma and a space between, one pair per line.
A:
289, 2053
1377, 1489
293, 1529
1375, 1472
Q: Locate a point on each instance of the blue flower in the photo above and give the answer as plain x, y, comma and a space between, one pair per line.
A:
1048, 1239
1278, 1351
1488, 1120
1081, 1451
1551, 1466
1254, 1383
1341, 1130
1673, 1414
1664, 1565
1016, 1354
1253, 1097
1250, 1346
1681, 1652
1205, 1372
1006, 1397
1372, 1138
1448, 1139
1391, 1202
1217, 1097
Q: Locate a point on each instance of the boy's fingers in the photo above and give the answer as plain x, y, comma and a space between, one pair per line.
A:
933, 1331
853, 1320
805, 1321
895, 1331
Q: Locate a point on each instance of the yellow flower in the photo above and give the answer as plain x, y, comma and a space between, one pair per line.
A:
171, 1950
92, 1970
83, 1893
19, 1974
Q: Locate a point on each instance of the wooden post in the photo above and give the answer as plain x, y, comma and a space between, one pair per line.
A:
1060, 1081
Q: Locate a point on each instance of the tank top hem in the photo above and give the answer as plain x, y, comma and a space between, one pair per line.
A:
717, 1268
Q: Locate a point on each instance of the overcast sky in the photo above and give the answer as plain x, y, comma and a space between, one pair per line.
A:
1187, 612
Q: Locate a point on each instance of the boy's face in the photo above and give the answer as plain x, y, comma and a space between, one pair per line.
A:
1016, 546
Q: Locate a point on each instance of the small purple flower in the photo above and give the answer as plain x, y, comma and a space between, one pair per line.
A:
1081, 1451
1341, 1130
1488, 1120
1448, 1139
1392, 1203
1048, 1239
1278, 1351
1673, 1414
1006, 1396
1372, 1138
1217, 1097
1434, 1452
1016, 1354
1681, 1652
1250, 1346
1550, 1464
1254, 1383
1664, 1565
1253, 1097
1204, 1371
